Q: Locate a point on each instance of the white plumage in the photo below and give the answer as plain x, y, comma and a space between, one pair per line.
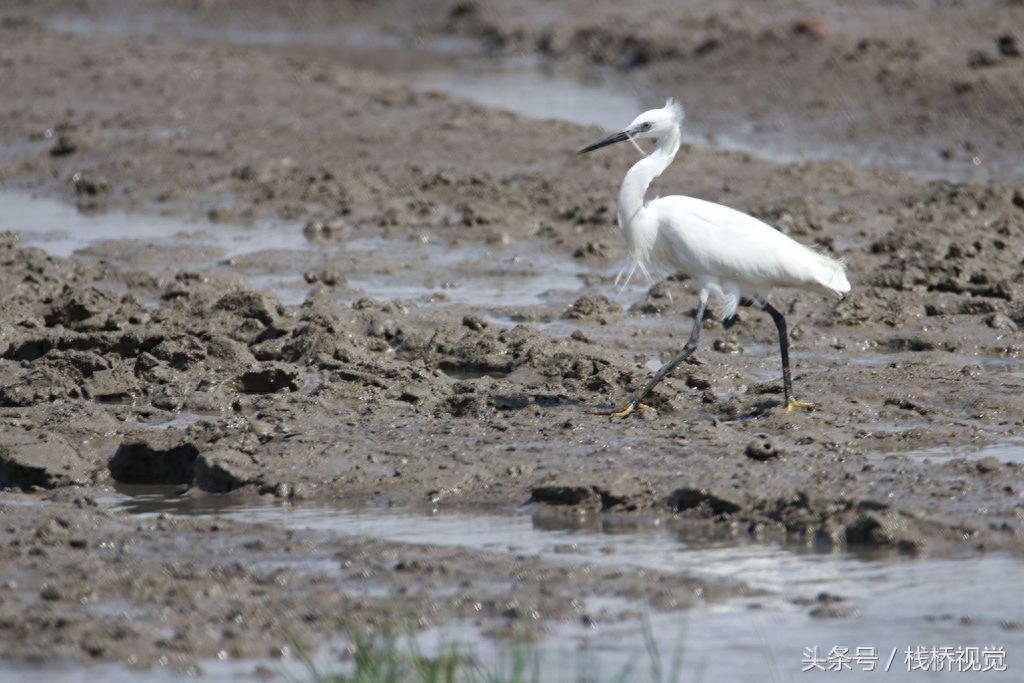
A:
731, 256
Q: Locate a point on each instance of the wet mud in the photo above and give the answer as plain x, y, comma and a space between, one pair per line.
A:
123, 367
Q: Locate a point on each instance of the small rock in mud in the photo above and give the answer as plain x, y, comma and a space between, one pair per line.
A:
251, 304
702, 501
73, 139
762, 448
81, 309
285, 490
581, 336
589, 306
809, 25
625, 494
575, 495
593, 248
474, 322
1018, 198
114, 385
728, 345
988, 465
464, 401
978, 59
828, 606
1009, 46
325, 276
882, 528
269, 379
223, 470
1001, 321
332, 229
972, 370
87, 184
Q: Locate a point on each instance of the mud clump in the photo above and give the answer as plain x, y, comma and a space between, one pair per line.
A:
599, 307
702, 502
29, 461
72, 139
883, 528
223, 470
270, 379
566, 495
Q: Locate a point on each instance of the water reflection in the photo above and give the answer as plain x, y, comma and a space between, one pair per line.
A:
797, 599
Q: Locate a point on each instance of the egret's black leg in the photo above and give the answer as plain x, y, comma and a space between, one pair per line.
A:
688, 349
787, 380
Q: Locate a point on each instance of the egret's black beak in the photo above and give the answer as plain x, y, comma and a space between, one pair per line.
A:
610, 140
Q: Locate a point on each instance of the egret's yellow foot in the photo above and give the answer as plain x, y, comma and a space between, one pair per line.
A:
792, 403
628, 410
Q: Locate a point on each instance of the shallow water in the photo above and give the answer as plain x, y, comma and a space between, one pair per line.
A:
890, 603
61, 230
1011, 450
611, 100
527, 86
520, 86
210, 672
273, 256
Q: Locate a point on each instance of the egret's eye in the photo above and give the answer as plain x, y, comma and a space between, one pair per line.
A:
643, 127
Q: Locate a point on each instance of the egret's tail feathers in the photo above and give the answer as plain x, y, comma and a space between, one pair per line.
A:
833, 276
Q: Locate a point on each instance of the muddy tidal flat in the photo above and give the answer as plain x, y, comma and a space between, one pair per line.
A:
308, 315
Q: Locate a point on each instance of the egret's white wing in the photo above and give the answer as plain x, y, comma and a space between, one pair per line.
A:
710, 240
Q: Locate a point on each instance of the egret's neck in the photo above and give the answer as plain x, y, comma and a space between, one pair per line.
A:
639, 178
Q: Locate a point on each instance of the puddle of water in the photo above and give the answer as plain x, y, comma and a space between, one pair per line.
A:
890, 603
61, 229
518, 85
23, 148
154, 22
211, 671
1006, 451
521, 87
512, 276
274, 257
610, 100
524, 86
170, 22
763, 567
792, 139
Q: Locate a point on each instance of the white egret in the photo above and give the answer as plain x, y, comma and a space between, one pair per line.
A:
732, 257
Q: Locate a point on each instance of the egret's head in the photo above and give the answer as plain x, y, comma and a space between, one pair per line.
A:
654, 123
657, 122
